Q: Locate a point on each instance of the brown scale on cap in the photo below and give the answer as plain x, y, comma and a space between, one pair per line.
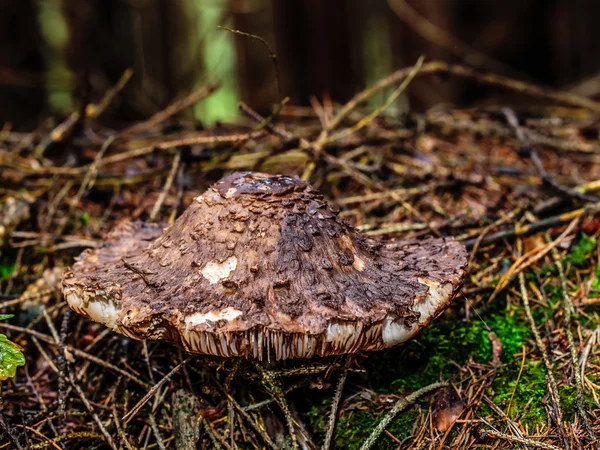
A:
260, 266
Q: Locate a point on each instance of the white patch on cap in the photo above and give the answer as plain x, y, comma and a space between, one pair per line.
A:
101, 309
394, 330
358, 263
228, 314
230, 192
214, 271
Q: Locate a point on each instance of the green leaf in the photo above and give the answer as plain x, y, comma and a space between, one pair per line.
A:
6, 316
11, 357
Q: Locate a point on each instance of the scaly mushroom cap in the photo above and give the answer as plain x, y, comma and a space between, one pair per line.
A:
260, 266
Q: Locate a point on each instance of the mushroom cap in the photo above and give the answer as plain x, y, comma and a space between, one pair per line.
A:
259, 266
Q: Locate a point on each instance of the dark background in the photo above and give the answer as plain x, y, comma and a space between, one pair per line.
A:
330, 49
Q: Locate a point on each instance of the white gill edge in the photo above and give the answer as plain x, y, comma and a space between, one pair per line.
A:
395, 331
97, 306
344, 336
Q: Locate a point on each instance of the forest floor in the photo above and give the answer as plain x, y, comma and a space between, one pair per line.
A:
517, 352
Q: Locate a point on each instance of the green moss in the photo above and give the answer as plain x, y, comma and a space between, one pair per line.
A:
511, 329
354, 427
580, 254
317, 418
527, 403
433, 354
568, 398
596, 283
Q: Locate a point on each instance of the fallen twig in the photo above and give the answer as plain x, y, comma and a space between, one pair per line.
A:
399, 406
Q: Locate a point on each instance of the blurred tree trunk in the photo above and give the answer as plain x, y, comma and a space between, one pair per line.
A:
333, 48
156, 38
408, 45
21, 82
256, 74
315, 44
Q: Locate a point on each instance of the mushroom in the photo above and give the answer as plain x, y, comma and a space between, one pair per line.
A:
260, 266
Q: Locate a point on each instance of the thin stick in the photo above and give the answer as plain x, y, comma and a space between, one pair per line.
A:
66, 127
9, 431
511, 424
552, 386
217, 440
272, 54
167, 186
399, 406
251, 421
521, 440
90, 409
91, 173
95, 110
440, 120
133, 411
265, 122
527, 149
363, 122
512, 396
156, 431
441, 67
567, 307
49, 441
120, 430
268, 401
275, 391
171, 110
61, 361
542, 225
67, 437
335, 405
142, 151
80, 353
527, 260
44, 354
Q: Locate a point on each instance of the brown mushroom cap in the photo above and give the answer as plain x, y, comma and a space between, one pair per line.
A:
260, 266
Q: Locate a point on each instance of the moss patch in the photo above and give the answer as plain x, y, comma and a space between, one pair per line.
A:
354, 427
527, 402
581, 253
430, 356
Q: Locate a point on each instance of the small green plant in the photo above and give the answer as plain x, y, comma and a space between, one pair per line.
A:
85, 219
11, 355
581, 252
7, 267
